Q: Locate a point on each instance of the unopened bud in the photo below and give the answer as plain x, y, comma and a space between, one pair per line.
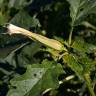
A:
12, 29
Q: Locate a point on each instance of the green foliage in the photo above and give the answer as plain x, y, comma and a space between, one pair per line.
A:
29, 68
19, 4
80, 9
2, 19
20, 18
82, 46
38, 77
73, 63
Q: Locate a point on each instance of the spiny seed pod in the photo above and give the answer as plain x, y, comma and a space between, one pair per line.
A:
12, 29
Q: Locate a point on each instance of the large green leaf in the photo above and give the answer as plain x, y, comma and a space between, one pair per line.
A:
37, 78
80, 9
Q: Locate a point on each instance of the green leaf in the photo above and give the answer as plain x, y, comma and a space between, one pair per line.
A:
79, 9
19, 3
23, 54
80, 64
82, 46
73, 63
23, 19
87, 63
11, 58
26, 56
2, 19
37, 78
1, 1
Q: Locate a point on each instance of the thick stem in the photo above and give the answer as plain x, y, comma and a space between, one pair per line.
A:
88, 83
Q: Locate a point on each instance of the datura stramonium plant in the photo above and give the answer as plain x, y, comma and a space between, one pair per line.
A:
12, 29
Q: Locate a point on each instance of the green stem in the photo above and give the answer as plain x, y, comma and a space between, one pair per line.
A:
88, 82
70, 35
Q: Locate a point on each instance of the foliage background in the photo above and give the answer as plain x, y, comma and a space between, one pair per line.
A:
29, 68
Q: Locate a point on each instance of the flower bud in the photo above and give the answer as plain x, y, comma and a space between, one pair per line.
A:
12, 29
